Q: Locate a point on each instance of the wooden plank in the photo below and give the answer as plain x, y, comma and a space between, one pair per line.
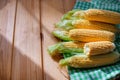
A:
7, 16
27, 64
51, 12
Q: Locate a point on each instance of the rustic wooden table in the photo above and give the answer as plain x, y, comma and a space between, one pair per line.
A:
25, 34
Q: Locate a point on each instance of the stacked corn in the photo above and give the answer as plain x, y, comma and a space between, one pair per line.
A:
90, 36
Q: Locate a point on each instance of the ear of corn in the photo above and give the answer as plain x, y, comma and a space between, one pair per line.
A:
83, 61
65, 47
87, 35
102, 16
101, 47
85, 24
75, 19
63, 35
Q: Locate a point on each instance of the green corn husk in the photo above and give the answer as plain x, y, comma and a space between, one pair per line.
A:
54, 52
79, 14
60, 48
83, 61
69, 15
67, 19
65, 25
63, 35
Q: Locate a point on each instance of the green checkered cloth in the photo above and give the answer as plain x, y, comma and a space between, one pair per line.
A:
100, 73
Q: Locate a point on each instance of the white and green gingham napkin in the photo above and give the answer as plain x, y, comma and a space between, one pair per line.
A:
101, 73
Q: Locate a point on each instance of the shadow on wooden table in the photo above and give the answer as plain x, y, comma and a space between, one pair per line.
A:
25, 68
3, 3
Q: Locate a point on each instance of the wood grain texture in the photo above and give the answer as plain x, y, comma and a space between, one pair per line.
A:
27, 64
7, 16
51, 12
22, 55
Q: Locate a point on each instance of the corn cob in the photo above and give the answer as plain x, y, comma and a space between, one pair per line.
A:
83, 61
85, 24
87, 35
63, 35
100, 15
65, 47
101, 47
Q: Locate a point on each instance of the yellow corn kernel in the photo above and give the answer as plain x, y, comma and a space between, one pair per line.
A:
83, 61
88, 35
75, 44
85, 24
96, 48
102, 16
